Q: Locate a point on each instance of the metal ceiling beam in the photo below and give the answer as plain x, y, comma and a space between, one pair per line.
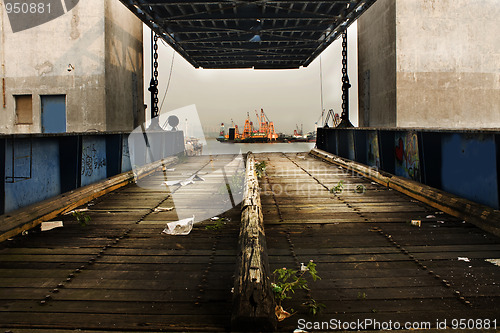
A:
249, 33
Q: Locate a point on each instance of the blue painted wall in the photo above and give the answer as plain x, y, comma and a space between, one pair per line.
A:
464, 163
93, 167
126, 165
63, 162
469, 167
44, 173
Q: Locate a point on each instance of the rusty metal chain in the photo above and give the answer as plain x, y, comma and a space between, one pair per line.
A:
345, 78
153, 84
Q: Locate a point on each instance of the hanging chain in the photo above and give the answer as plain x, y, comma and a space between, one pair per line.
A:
155, 75
345, 78
153, 84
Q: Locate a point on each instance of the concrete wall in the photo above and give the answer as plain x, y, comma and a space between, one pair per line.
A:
69, 56
431, 64
124, 68
376, 65
448, 67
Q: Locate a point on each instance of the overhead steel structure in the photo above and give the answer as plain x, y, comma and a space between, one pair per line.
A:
261, 34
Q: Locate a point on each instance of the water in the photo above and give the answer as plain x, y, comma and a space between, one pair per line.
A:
215, 147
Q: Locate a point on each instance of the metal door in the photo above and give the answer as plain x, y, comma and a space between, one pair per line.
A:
53, 113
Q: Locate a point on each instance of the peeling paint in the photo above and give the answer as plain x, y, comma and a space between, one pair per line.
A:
44, 68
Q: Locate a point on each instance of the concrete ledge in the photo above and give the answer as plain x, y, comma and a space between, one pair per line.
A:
15, 222
482, 216
253, 299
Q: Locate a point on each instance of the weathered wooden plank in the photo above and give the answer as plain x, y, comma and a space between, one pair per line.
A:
253, 300
179, 308
120, 322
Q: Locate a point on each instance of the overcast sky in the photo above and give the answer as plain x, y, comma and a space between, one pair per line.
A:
289, 97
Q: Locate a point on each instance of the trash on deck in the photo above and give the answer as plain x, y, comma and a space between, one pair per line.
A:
180, 228
46, 226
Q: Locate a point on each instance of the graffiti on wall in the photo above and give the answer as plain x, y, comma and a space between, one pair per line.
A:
91, 161
407, 159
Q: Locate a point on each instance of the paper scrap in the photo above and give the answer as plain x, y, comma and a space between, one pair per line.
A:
46, 226
184, 182
181, 227
78, 210
164, 209
493, 261
463, 259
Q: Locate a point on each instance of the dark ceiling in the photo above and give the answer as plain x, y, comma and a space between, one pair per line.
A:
261, 34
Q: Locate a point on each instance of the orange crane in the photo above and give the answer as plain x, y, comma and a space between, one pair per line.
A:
248, 129
265, 133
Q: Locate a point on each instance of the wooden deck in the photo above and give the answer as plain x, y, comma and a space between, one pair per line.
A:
120, 273
374, 264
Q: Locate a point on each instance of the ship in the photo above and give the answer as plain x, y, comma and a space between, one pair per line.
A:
264, 134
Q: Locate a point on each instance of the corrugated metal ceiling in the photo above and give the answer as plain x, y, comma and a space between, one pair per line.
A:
261, 34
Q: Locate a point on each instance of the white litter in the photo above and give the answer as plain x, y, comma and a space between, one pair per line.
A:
183, 182
430, 217
77, 210
493, 261
186, 182
215, 218
46, 226
463, 259
181, 227
164, 209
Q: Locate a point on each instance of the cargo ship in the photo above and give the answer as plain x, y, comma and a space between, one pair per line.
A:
265, 133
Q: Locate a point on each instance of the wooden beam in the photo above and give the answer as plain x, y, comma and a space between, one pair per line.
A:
253, 299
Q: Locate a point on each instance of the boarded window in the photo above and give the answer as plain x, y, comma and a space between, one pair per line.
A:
24, 109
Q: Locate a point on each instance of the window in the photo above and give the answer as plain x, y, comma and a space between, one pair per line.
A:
24, 109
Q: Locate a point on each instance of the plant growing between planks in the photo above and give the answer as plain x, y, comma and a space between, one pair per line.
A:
82, 218
360, 189
260, 168
338, 188
287, 281
219, 224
